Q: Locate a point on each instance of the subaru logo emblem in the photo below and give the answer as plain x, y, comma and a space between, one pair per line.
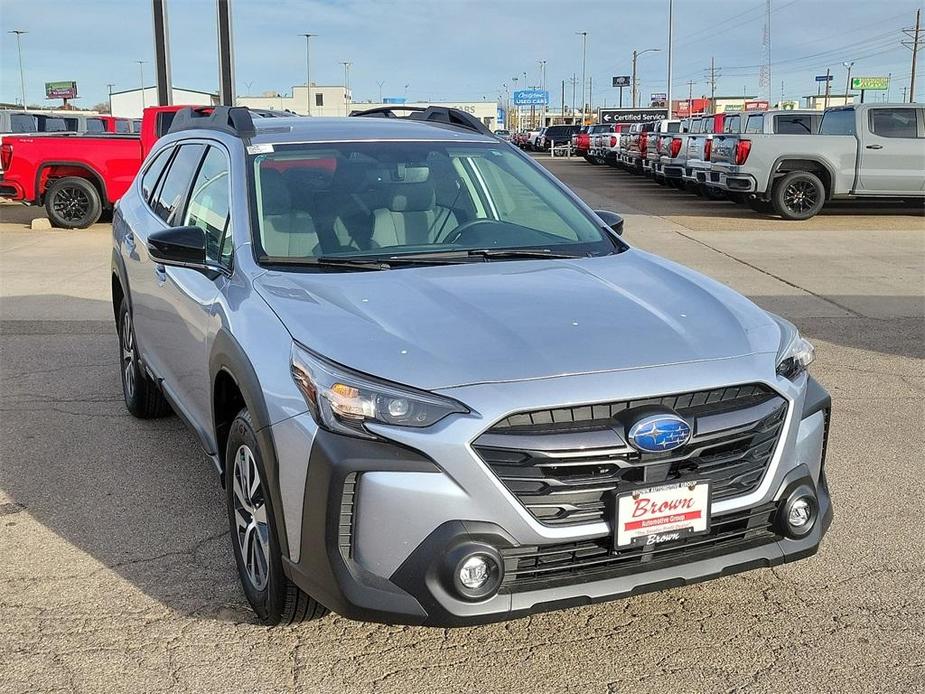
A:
659, 433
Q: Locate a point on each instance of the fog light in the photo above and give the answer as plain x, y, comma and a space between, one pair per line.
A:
474, 572
800, 513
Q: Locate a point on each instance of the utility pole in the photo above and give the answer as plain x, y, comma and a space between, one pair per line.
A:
670, 31
22, 79
109, 86
916, 41
828, 85
574, 82
636, 55
712, 82
308, 71
563, 100
380, 90
543, 86
346, 65
584, 60
141, 71
590, 97
848, 85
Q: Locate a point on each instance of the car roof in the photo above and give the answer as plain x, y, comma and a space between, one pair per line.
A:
357, 129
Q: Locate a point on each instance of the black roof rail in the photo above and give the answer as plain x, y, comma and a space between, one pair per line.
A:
433, 114
234, 120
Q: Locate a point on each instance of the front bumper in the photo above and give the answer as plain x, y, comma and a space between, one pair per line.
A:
379, 518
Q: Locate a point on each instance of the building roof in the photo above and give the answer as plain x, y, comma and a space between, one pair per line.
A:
154, 86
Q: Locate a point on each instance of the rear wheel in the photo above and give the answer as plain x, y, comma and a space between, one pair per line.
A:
143, 398
798, 195
73, 203
274, 598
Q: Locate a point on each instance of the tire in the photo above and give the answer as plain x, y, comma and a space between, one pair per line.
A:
73, 203
759, 205
798, 195
274, 598
143, 399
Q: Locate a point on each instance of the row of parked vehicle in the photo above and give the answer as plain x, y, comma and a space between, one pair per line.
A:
25, 122
785, 162
542, 139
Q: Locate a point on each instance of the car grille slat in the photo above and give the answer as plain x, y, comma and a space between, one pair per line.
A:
531, 568
537, 455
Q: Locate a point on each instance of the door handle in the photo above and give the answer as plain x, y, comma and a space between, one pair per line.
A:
874, 146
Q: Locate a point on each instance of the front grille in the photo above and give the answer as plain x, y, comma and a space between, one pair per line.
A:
531, 568
565, 465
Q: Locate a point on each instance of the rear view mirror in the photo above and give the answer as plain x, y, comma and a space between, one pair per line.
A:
179, 246
611, 219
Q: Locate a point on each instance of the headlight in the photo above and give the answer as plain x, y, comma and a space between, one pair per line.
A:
795, 353
344, 401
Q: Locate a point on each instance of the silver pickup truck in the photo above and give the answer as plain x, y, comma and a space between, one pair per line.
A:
868, 150
661, 134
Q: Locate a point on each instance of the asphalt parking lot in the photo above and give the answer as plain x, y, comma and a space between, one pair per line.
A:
117, 572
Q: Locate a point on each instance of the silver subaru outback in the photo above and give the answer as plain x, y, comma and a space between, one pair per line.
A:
438, 388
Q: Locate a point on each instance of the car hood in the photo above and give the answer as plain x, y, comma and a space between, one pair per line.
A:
441, 326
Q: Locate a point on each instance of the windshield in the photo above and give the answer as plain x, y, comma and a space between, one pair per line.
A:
380, 199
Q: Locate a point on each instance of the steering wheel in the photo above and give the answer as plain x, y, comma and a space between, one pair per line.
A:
454, 235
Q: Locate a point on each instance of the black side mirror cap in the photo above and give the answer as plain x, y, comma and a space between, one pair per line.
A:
179, 246
611, 219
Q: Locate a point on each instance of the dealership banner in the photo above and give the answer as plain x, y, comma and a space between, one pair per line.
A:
879, 84
61, 90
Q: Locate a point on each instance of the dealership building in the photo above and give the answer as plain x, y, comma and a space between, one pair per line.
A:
131, 102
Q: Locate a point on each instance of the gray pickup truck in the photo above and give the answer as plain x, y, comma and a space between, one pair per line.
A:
863, 151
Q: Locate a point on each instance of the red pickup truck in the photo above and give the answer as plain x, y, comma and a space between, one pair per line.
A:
77, 175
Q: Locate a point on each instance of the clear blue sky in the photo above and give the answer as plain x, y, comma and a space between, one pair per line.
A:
457, 49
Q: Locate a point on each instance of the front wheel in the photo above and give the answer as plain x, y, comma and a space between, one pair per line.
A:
73, 203
274, 598
798, 195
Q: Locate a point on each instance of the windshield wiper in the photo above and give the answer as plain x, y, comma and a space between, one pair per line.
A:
347, 263
519, 253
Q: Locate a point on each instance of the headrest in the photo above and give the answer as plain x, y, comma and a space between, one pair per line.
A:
274, 193
412, 197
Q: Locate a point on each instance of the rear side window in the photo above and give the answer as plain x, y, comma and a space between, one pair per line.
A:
169, 197
153, 173
733, 124
708, 125
208, 206
22, 123
53, 125
893, 122
697, 126
123, 127
793, 125
754, 124
136, 126
95, 125
839, 122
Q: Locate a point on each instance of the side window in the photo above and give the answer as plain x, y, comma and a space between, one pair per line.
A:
136, 126
733, 124
169, 197
208, 206
838, 122
22, 123
95, 125
893, 122
793, 125
153, 172
754, 124
164, 120
123, 127
319, 99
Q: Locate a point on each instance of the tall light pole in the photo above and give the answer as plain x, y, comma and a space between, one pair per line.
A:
22, 79
109, 86
141, 72
848, 82
543, 87
670, 40
636, 55
584, 62
346, 65
380, 90
308, 70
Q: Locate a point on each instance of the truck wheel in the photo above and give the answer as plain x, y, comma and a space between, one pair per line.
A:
73, 203
275, 599
142, 397
798, 195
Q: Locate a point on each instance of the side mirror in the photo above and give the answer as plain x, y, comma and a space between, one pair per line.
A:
179, 246
611, 219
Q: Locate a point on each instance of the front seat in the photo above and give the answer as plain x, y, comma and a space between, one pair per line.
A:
412, 217
285, 232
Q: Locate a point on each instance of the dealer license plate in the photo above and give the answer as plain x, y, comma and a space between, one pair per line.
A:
663, 513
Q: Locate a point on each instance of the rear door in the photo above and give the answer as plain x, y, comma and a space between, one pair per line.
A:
892, 158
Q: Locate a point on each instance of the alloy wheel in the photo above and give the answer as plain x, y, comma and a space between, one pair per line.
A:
250, 514
801, 196
71, 204
129, 366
